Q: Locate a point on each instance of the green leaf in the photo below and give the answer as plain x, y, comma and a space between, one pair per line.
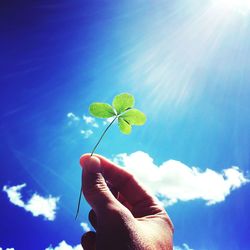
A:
101, 110
123, 102
124, 126
134, 117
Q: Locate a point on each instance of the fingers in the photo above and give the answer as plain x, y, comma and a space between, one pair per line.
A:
88, 241
95, 188
92, 214
124, 202
124, 183
92, 219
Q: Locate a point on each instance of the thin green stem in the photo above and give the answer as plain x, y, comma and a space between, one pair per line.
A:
79, 202
92, 152
104, 132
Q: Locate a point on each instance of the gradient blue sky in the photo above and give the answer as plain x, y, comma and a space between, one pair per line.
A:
187, 62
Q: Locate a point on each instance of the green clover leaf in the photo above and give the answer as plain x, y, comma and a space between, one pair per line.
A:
134, 117
123, 102
124, 126
101, 110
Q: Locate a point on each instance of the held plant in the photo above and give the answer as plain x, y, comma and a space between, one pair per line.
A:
123, 110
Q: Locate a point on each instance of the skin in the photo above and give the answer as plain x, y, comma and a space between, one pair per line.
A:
124, 214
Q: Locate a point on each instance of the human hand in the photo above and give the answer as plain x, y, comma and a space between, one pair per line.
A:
128, 219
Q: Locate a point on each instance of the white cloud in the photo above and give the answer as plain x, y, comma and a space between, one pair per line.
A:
90, 120
183, 247
85, 226
7, 248
14, 194
64, 246
74, 120
174, 181
37, 204
86, 133
73, 117
42, 206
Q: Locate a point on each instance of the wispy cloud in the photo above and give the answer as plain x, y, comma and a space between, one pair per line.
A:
84, 126
85, 226
184, 246
86, 133
37, 205
64, 246
7, 248
72, 117
174, 181
90, 120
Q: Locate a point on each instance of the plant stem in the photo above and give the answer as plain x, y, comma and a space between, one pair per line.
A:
92, 152
104, 132
79, 202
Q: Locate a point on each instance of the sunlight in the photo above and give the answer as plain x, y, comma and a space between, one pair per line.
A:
239, 6
172, 69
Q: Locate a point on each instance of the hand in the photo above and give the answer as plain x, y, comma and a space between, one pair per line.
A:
128, 219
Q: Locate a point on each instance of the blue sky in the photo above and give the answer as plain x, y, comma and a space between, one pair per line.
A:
188, 65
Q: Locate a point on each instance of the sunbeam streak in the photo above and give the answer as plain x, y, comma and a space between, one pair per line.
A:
172, 69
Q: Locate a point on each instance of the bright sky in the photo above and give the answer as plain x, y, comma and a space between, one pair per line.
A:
239, 6
187, 62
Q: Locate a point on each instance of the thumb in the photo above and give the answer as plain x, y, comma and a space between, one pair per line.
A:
94, 187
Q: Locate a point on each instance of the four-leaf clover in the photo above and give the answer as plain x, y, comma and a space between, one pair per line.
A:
123, 109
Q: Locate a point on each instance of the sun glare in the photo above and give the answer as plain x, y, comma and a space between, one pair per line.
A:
239, 6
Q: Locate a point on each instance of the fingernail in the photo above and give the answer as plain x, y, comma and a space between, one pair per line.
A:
93, 164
